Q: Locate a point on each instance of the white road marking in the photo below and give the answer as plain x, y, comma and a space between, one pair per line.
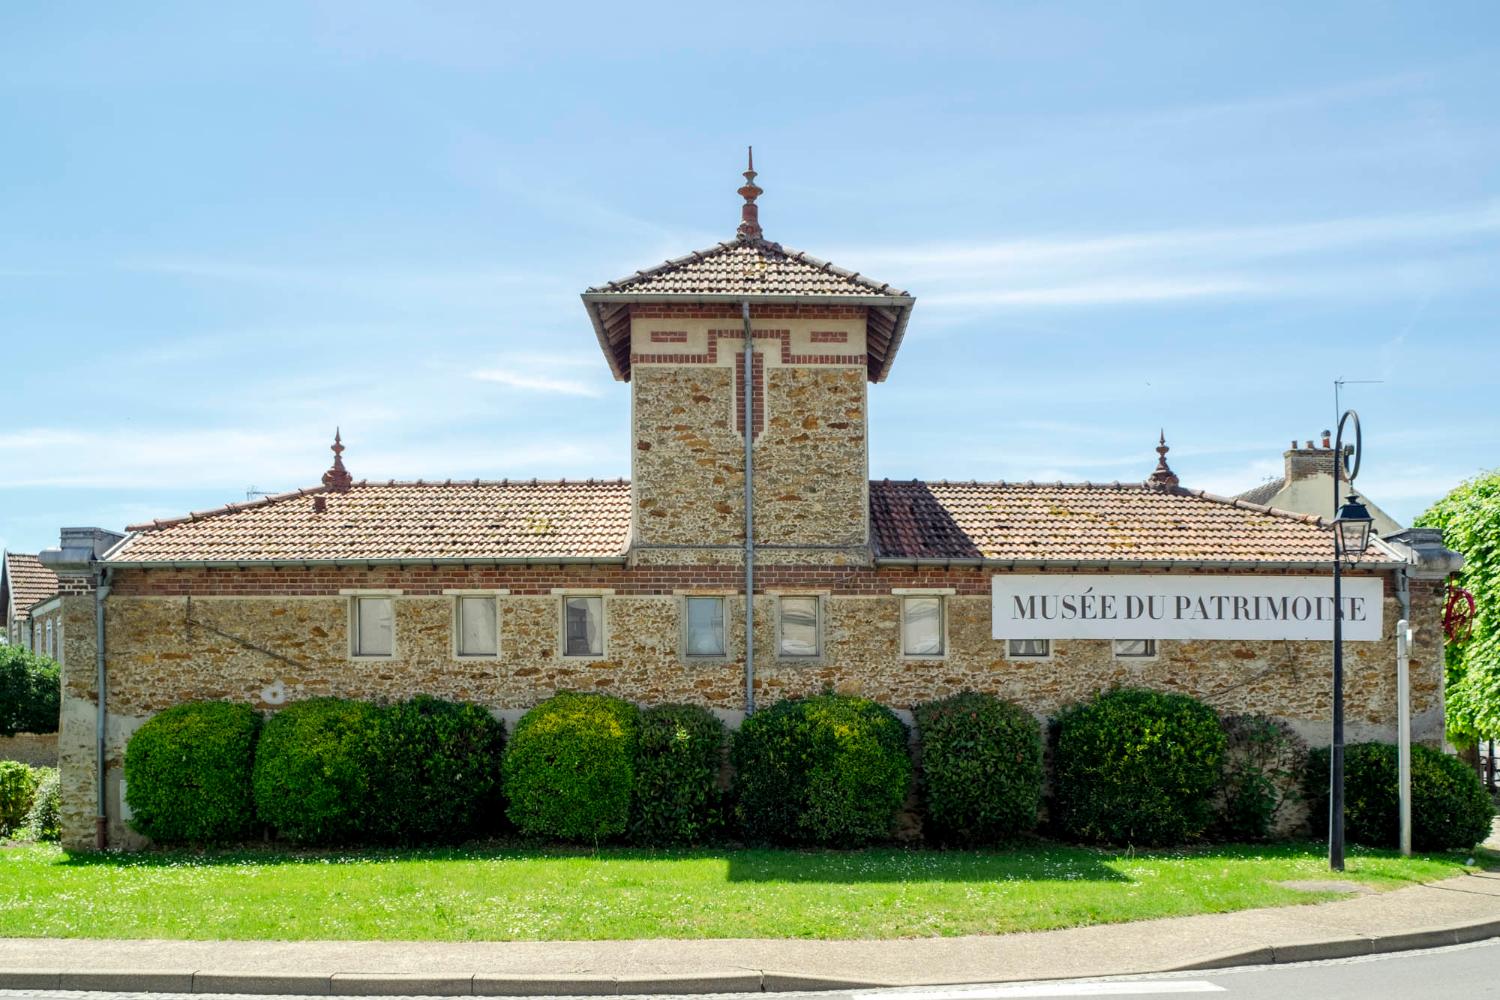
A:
1116, 989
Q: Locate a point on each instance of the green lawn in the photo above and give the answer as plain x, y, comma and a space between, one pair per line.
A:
523, 893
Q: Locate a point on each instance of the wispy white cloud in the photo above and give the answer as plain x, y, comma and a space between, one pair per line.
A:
169, 459
533, 382
1415, 252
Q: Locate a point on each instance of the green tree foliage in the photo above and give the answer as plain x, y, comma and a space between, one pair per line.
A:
1470, 521
677, 799
1264, 763
30, 692
569, 768
981, 768
45, 819
18, 784
439, 774
313, 770
1135, 766
1449, 806
187, 773
832, 769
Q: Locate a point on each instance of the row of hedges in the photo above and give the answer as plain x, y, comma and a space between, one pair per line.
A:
29, 798
1129, 767
323, 771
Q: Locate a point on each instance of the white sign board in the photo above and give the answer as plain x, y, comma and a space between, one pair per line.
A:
1048, 606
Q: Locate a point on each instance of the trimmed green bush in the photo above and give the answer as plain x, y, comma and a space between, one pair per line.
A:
981, 768
43, 821
569, 768
830, 769
1135, 766
313, 770
1449, 806
677, 799
439, 774
1264, 761
17, 787
187, 773
30, 692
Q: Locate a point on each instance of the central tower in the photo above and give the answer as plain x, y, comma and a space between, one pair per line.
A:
820, 335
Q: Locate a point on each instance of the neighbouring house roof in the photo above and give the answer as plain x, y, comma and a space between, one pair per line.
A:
472, 520
1263, 493
26, 582
590, 521
1090, 522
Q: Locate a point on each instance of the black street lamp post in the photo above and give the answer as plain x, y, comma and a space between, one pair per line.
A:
1351, 534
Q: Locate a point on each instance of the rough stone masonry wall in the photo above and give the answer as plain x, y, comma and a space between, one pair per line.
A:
809, 441
171, 640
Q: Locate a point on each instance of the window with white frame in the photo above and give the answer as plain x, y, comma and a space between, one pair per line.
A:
1135, 648
374, 626
703, 626
476, 626
799, 631
583, 626
51, 649
1030, 649
922, 626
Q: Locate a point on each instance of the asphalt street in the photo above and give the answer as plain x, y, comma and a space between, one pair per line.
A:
1464, 972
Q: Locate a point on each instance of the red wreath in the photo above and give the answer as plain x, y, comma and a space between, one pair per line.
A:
1458, 614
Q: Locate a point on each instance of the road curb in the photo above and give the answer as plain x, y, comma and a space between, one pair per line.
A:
494, 984
1346, 947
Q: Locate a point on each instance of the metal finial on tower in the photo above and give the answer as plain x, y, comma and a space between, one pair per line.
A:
337, 478
1163, 475
749, 228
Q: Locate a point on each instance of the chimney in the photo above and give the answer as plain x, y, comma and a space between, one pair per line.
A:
1311, 460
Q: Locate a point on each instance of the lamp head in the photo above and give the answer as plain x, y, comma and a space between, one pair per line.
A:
1351, 527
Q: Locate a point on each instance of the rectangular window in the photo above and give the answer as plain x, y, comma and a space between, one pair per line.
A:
478, 627
583, 626
51, 649
922, 626
705, 626
1030, 649
374, 626
1135, 647
799, 627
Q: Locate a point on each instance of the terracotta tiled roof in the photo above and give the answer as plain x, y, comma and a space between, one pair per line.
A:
1022, 522
755, 269
30, 582
748, 267
1088, 522
418, 521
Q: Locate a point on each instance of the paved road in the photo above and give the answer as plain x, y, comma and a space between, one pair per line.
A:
1465, 972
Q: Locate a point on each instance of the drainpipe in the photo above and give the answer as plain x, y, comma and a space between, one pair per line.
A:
1403, 709
749, 511
101, 821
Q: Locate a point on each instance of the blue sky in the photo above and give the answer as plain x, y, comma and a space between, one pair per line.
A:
228, 228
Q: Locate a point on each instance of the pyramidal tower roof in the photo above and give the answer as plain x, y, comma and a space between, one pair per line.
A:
754, 269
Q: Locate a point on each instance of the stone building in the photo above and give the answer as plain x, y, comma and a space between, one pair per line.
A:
1306, 486
749, 475
27, 589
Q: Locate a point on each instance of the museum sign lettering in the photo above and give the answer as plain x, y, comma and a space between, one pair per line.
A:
1047, 606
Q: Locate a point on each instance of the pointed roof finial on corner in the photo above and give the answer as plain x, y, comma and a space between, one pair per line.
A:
1162, 476
749, 228
337, 478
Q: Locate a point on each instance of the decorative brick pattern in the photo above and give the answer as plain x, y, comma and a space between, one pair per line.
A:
711, 356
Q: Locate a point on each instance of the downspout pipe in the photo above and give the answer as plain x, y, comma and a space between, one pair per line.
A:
101, 821
749, 510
